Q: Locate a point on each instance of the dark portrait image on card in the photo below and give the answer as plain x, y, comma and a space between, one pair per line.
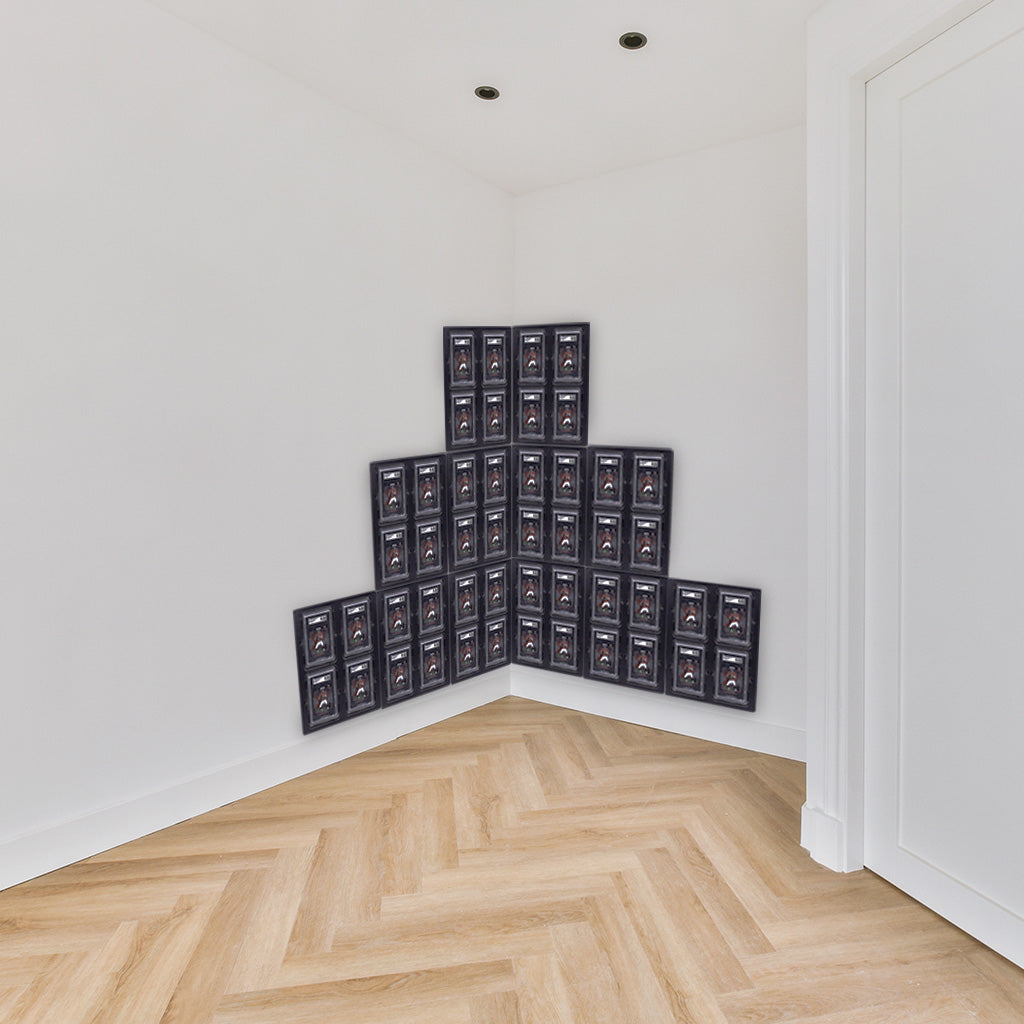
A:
530, 475
565, 589
318, 637
691, 611
464, 597
495, 476
432, 663
607, 485
566, 475
565, 653
603, 659
357, 636
568, 416
732, 678
646, 544
464, 482
645, 604
462, 368
428, 488
464, 531
496, 643
605, 598
529, 639
399, 672
565, 537
467, 651
322, 697
606, 542
530, 589
429, 558
531, 415
496, 533
359, 684
530, 532
687, 676
495, 359
649, 482
495, 417
642, 661
397, 623
568, 357
390, 493
463, 420
734, 616
532, 358
394, 555
496, 589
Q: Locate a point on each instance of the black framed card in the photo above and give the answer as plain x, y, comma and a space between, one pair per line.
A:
393, 548
321, 704
568, 473
606, 539
465, 539
529, 586
529, 474
531, 416
496, 590
317, 636
642, 661
736, 616
463, 420
647, 544
566, 543
460, 357
467, 651
389, 489
603, 654
569, 420
430, 606
690, 602
495, 476
428, 499
529, 639
398, 673
496, 642
564, 646
565, 592
360, 686
531, 356
357, 625
687, 670
495, 405
571, 353
465, 597
651, 481
734, 681
605, 598
495, 356
607, 477
530, 532
495, 533
462, 476
433, 662
396, 615
430, 558
645, 603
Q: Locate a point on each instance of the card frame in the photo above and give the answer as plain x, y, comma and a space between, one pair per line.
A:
744, 659
460, 635
391, 654
437, 643
435, 462
492, 337
599, 518
578, 434
462, 339
537, 623
354, 664
654, 586
346, 606
596, 578
491, 459
572, 576
379, 471
561, 333
533, 514
680, 649
540, 435
423, 589
684, 590
613, 636
309, 660
567, 456
736, 595
533, 570
610, 457
565, 517
463, 400
635, 639
499, 514
435, 527
324, 675
528, 336
530, 457
461, 557
492, 626
491, 574
463, 583
559, 628
644, 522
458, 499
491, 397
388, 599
664, 462
404, 572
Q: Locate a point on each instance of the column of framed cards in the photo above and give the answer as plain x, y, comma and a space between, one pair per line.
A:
712, 638
477, 387
551, 392
338, 673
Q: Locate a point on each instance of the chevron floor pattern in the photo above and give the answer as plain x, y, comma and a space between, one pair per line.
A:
519, 863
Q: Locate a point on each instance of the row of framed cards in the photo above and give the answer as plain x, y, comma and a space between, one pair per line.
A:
479, 357
495, 416
636, 658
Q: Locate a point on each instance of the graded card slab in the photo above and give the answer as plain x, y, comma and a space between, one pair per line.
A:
495, 417
565, 536
530, 586
317, 637
398, 673
359, 685
690, 618
567, 477
530, 418
357, 631
530, 533
569, 356
732, 679
531, 356
649, 482
495, 642
687, 670
568, 415
427, 476
642, 661
606, 598
608, 484
565, 646
461, 361
606, 540
430, 607
390, 490
462, 420
603, 656
495, 476
396, 616
465, 606
529, 474
735, 617
429, 548
322, 698
466, 543
528, 642
394, 554
467, 651
495, 533
495, 358
463, 482
433, 666
645, 603
565, 592
496, 590
645, 546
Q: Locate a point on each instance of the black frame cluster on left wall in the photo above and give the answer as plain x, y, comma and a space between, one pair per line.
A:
523, 543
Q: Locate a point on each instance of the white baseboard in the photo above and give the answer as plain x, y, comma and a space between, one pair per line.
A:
687, 718
824, 838
37, 853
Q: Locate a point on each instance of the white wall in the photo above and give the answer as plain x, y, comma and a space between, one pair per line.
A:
203, 268
692, 272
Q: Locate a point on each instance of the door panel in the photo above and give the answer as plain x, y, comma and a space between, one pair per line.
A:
944, 757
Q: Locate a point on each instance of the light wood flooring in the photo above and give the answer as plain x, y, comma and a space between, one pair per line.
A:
519, 863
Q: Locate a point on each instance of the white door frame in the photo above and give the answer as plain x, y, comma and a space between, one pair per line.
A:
848, 43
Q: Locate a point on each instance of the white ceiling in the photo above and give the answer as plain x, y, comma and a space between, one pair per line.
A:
573, 103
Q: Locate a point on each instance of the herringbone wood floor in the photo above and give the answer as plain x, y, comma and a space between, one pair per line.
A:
519, 863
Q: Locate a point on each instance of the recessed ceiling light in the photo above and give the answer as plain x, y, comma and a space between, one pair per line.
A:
487, 92
632, 40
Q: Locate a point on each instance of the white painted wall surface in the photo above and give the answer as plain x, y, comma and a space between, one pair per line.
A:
219, 300
692, 272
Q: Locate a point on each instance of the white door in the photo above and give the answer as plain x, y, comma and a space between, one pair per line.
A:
944, 747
